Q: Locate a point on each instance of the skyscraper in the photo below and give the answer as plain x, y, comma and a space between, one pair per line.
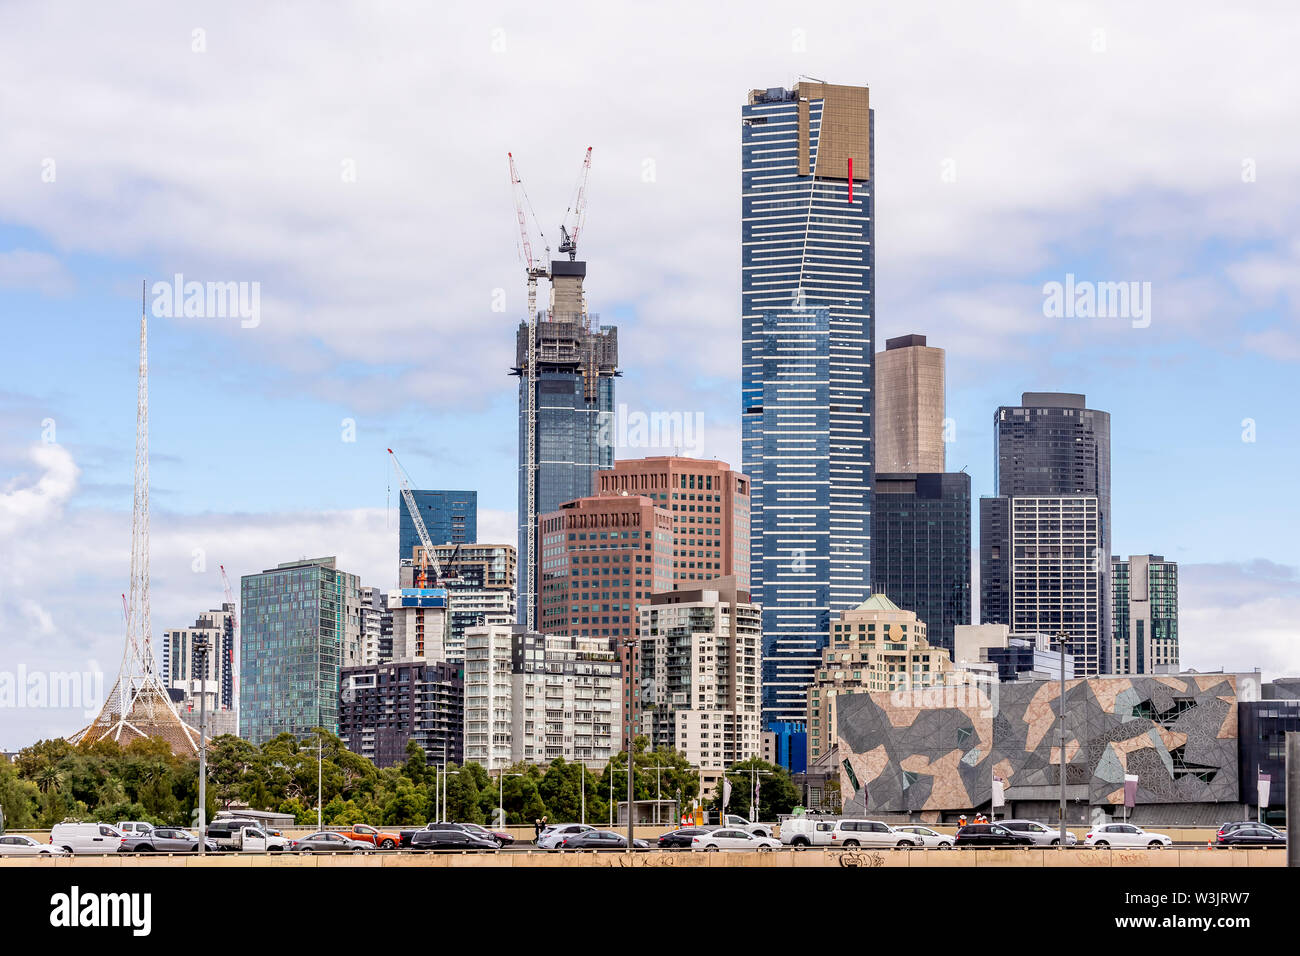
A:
807, 319
573, 398
920, 548
1045, 548
299, 622
481, 589
1145, 633
909, 397
449, 517
710, 508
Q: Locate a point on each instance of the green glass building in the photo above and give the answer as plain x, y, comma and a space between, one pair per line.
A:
1145, 631
299, 623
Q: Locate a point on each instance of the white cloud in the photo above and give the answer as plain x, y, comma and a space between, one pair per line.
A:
24, 503
1240, 616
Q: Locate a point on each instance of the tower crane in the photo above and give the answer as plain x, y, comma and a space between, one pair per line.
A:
534, 271
576, 214
427, 554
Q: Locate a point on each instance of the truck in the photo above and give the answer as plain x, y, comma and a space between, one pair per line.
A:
242, 836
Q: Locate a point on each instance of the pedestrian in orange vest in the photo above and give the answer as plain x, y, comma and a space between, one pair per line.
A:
961, 820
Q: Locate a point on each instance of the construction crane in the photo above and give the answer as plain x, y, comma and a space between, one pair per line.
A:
427, 554
534, 271
234, 632
576, 214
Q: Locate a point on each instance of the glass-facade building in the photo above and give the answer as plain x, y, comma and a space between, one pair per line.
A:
450, 517
299, 623
577, 362
807, 292
921, 548
1145, 614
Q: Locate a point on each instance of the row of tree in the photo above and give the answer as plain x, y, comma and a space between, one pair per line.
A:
52, 781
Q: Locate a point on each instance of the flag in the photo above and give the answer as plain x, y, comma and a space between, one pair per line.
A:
1130, 789
726, 792
999, 794
1264, 786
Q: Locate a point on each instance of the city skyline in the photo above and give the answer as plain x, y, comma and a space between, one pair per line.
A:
252, 466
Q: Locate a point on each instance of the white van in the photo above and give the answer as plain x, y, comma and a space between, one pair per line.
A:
806, 831
86, 838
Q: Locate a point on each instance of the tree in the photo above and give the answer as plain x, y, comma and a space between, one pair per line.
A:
777, 792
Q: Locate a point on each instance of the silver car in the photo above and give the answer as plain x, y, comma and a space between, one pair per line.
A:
17, 844
931, 839
1041, 834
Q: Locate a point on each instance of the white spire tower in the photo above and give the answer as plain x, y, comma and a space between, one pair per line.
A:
138, 705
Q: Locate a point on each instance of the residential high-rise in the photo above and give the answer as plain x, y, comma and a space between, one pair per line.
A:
807, 320
299, 623
376, 626
1040, 555
382, 707
577, 362
921, 548
1145, 638
481, 589
1050, 447
876, 646
909, 398
535, 697
419, 615
700, 686
601, 558
450, 517
182, 677
710, 508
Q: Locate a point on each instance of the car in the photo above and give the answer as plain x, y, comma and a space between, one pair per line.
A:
1258, 835
244, 836
853, 833
592, 839
327, 841
448, 839
553, 835
680, 839
803, 832
1040, 833
929, 838
1237, 825
405, 837
990, 834
165, 840
364, 833
725, 838
17, 844
496, 836
131, 828
86, 838
1125, 834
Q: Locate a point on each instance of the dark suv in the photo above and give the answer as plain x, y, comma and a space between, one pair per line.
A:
445, 838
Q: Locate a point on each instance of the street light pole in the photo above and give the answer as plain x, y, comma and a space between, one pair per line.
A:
201, 650
631, 806
1062, 637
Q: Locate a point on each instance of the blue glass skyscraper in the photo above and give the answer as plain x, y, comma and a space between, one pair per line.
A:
807, 316
577, 362
450, 517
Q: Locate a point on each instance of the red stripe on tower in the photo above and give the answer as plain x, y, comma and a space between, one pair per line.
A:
850, 179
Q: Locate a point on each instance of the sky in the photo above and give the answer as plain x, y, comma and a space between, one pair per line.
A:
350, 160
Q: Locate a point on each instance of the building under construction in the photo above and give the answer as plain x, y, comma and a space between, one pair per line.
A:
569, 415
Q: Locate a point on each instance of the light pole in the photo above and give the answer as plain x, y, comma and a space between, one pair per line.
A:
445, 774
201, 651
501, 796
754, 774
1062, 637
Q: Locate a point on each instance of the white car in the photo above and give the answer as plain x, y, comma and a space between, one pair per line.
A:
1040, 833
1125, 834
929, 838
19, 845
803, 832
555, 834
730, 839
81, 838
851, 833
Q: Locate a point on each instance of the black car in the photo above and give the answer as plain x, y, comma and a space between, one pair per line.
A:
599, 840
405, 837
1249, 835
448, 839
990, 834
681, 839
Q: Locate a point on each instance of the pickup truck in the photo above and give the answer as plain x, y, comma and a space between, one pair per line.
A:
239, 836
380, 839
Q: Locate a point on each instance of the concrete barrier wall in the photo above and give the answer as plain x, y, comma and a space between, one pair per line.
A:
869, 859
